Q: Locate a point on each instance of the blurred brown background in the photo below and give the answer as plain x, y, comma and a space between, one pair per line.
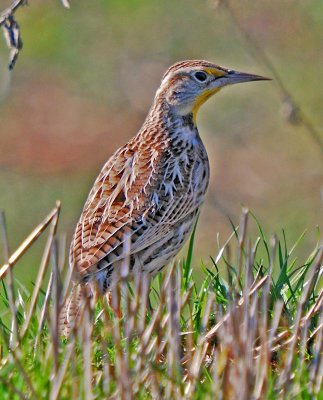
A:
85, 80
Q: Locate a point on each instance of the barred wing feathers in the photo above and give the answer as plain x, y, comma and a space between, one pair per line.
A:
116, 201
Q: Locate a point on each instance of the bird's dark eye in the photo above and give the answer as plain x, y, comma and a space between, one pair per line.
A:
200, 76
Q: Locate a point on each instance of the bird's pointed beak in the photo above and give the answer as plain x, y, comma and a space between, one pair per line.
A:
233, 77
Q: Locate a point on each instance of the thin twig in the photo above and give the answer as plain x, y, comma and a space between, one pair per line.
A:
28, 242
295, 112
42, 271
59, 377
10, 286
11, 10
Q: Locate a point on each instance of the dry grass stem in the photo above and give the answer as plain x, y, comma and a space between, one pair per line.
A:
168, 338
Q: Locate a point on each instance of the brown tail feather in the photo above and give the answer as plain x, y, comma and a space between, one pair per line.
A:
70, 312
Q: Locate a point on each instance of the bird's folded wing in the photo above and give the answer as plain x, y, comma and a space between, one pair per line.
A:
119, 199
119, 204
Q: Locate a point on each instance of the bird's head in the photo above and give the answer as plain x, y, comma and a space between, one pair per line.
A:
186, 85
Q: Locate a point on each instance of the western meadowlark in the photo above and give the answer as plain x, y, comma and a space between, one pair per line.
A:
150, 191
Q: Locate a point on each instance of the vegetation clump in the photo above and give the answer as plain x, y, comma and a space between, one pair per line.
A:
251, 330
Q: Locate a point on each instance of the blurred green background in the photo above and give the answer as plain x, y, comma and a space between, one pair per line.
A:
85, 80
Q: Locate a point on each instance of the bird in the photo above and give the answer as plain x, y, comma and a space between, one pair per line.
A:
149, 193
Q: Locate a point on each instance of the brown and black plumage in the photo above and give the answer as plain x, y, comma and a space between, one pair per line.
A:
150, 191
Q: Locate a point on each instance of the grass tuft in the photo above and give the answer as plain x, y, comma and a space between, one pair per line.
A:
253, 329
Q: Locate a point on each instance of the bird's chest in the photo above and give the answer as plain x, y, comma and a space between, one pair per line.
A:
185, 169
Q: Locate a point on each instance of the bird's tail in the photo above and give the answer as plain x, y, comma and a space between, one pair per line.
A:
71, 310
